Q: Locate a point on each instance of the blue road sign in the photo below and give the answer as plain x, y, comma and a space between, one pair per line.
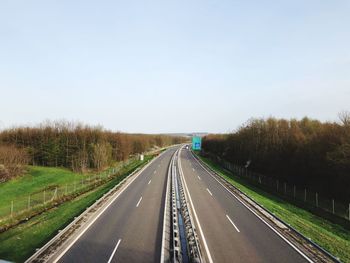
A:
196, 143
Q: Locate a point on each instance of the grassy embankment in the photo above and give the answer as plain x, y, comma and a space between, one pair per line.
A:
36, 180
332, 237
18, 243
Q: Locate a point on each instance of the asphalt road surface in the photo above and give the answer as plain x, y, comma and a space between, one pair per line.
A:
231, 232
130, 230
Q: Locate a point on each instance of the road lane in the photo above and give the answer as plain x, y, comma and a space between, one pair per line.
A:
131, 227
232, 232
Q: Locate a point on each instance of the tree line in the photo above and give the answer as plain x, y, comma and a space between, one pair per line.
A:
12, 162
76, 146
304, 152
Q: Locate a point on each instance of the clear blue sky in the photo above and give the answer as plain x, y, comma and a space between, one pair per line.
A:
173, 66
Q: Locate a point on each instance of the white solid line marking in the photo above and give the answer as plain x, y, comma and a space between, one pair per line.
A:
195, 214
274, 230
139, 202
165, 215
115, 249
199, 177
149, 181
229, 219
209, 192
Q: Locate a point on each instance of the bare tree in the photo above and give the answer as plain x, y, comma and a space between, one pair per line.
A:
344, 117
101, 155
12, 161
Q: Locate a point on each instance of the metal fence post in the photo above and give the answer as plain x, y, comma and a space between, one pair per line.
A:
294, 191
333, 206
11, 208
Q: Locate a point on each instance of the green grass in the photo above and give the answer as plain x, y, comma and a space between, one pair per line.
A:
18, 243
34, 181
332, 237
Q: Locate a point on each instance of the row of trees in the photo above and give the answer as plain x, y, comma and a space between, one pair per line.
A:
304, 152
77, 146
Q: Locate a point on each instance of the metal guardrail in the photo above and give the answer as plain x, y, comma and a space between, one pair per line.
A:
185, 245
308, 240
336, 211
176, 243
192, 244
45, 253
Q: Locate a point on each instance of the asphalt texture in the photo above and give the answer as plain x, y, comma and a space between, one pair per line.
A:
232, 232
130, 230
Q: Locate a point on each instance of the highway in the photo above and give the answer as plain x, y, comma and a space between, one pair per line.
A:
130, 229
227, 230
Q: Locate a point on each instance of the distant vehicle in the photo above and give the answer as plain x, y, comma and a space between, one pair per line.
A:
187, 147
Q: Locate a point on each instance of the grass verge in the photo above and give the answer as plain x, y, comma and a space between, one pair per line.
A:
34, 182
18, 243
332, 237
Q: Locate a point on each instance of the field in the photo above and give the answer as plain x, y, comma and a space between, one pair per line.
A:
332, 237
36, 180
19, 242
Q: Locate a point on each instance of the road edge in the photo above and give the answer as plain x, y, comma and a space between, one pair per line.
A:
107, 199
259, 208
165, 249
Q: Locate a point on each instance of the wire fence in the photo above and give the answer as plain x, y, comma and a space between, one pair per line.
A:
38, 201
297, 194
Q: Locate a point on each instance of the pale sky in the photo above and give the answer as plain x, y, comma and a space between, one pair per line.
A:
173, 66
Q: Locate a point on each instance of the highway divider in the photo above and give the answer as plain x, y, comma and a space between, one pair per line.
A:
182, 240
193, 247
